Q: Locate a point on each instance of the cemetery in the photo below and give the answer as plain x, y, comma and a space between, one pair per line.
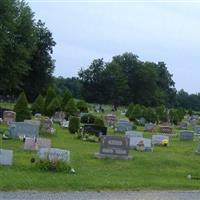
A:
122, 157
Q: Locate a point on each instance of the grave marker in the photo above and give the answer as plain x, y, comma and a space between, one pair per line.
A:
114, 147
158, 139
36, 143
6, 157
186, 135
9, 116
134, 134
137, 142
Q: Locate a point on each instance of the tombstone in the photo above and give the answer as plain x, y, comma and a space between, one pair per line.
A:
111, 119
197, 129
94, 129
2, 111
133, 134
9, 116
198, 148
6, 157
64, 124
47, 125
114, 147
123, 126
36, 143
183, 125
158, 139
20, 129
186, 135
59, 116
149, 127
135, 143
54, 154
36, 122
38, 115
141, 121
165, 129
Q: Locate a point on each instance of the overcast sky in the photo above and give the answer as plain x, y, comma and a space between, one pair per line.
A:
84, 31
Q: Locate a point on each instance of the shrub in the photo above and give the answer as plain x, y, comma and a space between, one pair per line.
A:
66, 97
162, 113
38, 105
51, 94
21, 108
53, 107
57, 166
88, 119
82, 106
130, 109
99, 121
70, 108
137, 112
74, 124
150, 115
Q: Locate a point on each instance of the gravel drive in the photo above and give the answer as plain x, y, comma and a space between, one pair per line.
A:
121, 195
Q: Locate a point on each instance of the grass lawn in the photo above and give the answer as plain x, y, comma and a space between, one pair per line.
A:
165, 168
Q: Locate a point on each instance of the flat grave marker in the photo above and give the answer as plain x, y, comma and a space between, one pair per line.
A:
186, 135
142, 144
133, 134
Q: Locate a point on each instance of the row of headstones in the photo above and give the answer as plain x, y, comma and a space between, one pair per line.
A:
118, 147
51, 154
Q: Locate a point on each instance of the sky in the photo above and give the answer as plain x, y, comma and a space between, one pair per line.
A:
85, 30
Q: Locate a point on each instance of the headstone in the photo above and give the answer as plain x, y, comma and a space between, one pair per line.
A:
36, 143
36, 122
9, 116
59, 116
64, 124
158, 139
6, 157
54, 154
47, 125
149, 127
2, 111
136, 142
186, 135
183, 125
111, 119
134, 134
141, 121
94, 129
38, 115
123, 126
197, 129
166, 129
23, 129
114, 147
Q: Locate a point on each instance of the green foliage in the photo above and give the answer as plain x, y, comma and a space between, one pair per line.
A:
38, 105
130, 109
21, 108
150, 115
137, 112
66, 97
70, 108
190, 112
82, 106
162, 113
53, 107
88, 119
74, 124
99, 121
51, 94
173, 116
56, 166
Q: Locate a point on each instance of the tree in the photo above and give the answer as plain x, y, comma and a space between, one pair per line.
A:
53, 107
21, 108
74, 124
42, 65
51, 94
162, 113
17, 41
38, 105
70, 108
66, 97
82, 106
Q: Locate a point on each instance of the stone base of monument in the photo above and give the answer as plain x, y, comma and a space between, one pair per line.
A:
102, 156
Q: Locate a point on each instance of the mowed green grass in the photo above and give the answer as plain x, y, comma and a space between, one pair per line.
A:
165, 168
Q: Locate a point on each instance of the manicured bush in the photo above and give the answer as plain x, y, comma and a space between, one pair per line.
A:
82, 106
53, 107
88, 119
70, 108
74, 124
66, 97
38, 105
99, 121
51, 94
21, 108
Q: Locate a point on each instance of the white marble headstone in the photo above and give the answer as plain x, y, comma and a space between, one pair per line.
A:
6, 157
